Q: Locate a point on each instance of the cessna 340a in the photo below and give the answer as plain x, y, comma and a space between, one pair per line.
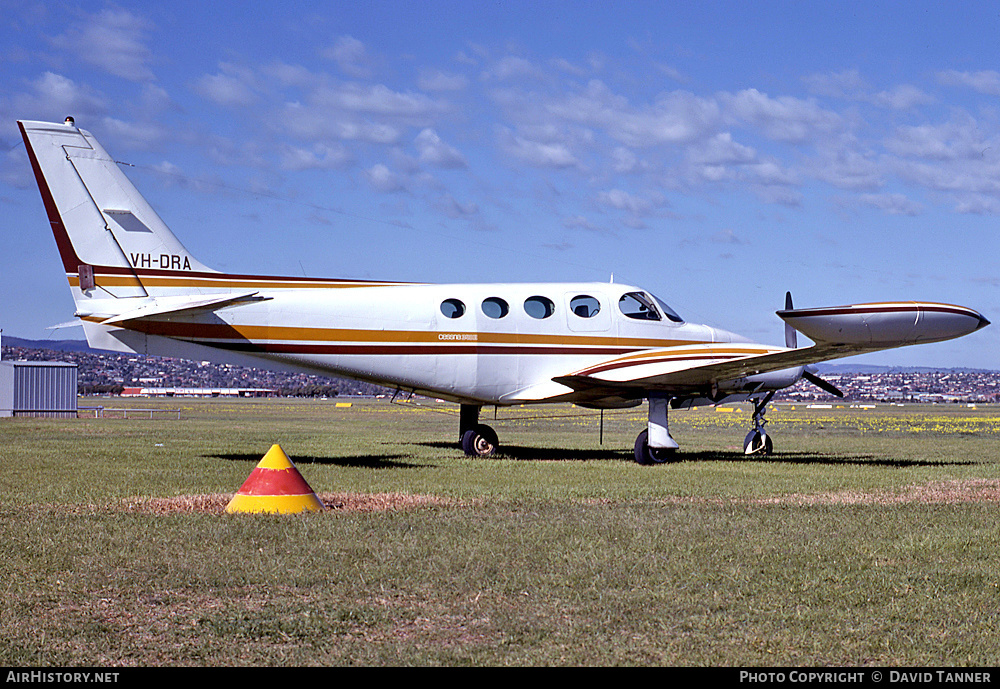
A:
597, 345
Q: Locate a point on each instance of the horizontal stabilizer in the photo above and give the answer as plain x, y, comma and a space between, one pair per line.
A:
68, 324
169, 305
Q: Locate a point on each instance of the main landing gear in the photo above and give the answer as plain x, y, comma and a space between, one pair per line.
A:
655, 444
476, 439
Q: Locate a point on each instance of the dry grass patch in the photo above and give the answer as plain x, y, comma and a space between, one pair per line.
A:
342, 502
938, 492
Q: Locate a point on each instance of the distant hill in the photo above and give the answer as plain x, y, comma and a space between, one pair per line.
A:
865, 368
55, 345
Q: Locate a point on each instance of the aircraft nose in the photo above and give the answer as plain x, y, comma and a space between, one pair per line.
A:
982, 323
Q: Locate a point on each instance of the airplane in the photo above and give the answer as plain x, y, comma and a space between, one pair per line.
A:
596, 345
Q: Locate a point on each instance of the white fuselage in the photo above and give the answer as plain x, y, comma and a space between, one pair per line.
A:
486, 344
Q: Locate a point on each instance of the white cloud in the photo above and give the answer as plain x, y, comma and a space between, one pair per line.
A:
384, 180
785, 118
537, 153
351, 57
624, 161
894, 204
377, 99
637, 206
848, 168
53, 93
902, 97
674, 117
850, 85
113, 40
232, 86
434, 151
137, 135
448, 205
726, 236
986, 81
436, 80
512, 67
961, 137
721, 149
318, 157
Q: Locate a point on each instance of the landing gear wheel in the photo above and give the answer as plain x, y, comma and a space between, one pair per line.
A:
644, 454
757, 443
480, 441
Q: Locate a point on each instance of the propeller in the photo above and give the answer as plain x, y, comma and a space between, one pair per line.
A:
792, 342
791, 335
821, 384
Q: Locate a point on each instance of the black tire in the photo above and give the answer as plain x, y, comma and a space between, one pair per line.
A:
644, 454
480, 441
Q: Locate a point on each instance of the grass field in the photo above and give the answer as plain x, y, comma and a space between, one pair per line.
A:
870, 538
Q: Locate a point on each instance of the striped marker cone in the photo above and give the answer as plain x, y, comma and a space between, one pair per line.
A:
275, 485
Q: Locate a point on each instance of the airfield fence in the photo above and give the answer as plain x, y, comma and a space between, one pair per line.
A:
123, 412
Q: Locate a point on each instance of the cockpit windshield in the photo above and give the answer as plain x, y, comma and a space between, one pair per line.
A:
645, 307
667, 311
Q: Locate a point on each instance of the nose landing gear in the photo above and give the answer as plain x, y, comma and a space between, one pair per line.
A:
758, 442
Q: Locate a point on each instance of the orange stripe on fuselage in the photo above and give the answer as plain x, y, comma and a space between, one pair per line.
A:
244, 334
222, 282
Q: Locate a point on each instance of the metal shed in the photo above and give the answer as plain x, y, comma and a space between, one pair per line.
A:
38, 388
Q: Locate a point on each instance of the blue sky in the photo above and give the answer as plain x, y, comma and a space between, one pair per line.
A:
714, 153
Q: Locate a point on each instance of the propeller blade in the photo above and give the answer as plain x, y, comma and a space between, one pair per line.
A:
822, 384
791, 336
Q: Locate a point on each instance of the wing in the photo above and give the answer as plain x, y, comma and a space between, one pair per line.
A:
838, 332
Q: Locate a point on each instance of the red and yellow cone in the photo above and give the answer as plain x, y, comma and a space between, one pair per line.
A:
275, 485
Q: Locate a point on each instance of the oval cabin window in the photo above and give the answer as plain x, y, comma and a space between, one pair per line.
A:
495, 307
452, 308
539, 307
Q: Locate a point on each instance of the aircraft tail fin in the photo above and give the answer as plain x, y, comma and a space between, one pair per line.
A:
112, 243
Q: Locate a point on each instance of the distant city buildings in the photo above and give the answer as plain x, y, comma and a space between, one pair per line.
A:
904, 385
112, 373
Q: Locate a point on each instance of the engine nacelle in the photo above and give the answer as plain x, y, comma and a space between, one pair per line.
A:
774, 380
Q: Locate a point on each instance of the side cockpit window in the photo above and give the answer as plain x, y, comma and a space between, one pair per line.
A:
584, 306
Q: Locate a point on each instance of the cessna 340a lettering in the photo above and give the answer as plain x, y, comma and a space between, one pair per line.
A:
597, 345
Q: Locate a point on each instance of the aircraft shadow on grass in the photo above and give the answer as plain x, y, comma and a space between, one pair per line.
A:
351, 462
525, 453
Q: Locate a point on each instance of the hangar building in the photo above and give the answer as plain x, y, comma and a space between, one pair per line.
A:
38, 388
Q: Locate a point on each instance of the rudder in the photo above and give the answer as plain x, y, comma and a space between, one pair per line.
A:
110, 240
